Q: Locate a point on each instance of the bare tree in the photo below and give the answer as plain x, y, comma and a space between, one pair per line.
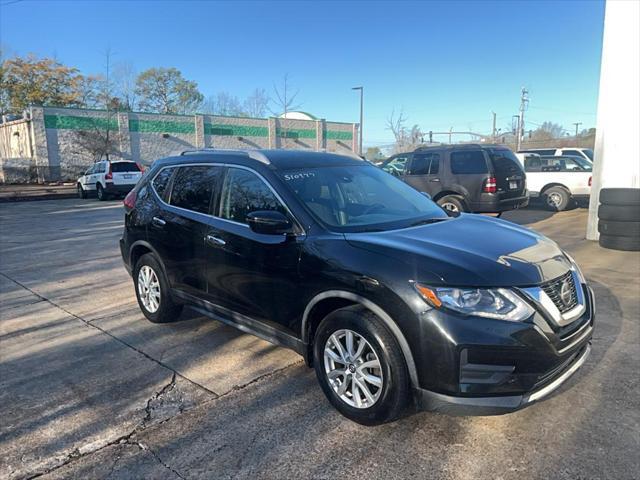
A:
285, 100
257, 104
399, 130
227, 104
124, 80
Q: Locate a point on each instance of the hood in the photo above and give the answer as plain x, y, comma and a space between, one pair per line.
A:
470, 250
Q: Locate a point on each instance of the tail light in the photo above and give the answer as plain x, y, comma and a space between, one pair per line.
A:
490, 185
130, 199
109, 175
590, 178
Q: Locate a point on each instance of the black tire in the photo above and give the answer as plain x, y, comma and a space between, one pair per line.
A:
452, 204
168, 310
630, 244
102, 196
81, 192
617, 213
394, 393
556, 199
620, 196
619, 229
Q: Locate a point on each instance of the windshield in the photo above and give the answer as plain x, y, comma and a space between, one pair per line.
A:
360, 198
589, 153
395, 165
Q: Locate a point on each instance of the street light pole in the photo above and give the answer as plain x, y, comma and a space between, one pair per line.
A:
361, 112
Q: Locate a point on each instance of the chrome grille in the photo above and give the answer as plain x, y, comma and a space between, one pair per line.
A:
562, 292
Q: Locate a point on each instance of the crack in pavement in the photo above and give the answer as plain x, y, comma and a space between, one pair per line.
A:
89, 324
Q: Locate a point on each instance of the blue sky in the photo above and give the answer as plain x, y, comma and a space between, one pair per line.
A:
445, 64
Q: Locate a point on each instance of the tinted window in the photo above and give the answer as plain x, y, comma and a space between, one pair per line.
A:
193, 187
359, 198
100, 168
589, 153
468, 162
532, 164
161, 181
244, 192
504, 161
425, 164
124, 167
542, 152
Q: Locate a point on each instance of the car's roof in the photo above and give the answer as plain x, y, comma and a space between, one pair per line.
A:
461, 146
276, 159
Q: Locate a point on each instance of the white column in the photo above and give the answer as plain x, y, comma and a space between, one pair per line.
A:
617, 147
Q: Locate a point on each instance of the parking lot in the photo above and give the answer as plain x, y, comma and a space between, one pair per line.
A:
90, 389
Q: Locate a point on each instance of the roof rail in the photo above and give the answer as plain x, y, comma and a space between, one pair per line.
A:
254, 154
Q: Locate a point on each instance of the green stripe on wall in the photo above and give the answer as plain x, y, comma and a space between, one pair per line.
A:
225, 129
295, 133
338, 135
68, 122
160, 126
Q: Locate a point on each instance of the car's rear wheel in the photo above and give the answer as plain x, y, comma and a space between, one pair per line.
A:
360, 366
452, 203
152, 291
556, 199
102, 195
81, 192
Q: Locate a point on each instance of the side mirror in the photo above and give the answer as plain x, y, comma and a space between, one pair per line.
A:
269, 222
426, 195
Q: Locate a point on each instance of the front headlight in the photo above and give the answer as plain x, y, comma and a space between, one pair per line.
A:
498, 303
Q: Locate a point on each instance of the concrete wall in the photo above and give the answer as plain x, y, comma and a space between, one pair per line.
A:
56, 149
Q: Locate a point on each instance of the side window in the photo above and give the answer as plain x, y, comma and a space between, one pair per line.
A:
161, 181
193, 187
571, 165
100, 167
468, 162
90, 170
532, 164
244, 192
425, 164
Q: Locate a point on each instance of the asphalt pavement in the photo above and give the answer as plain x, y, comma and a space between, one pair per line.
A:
90, 389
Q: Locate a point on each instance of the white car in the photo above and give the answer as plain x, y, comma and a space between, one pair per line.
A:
558, 180
585, 153
107, 179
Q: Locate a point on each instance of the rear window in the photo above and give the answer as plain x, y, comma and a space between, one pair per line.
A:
161, 181
504, 161
120, 167
468, 162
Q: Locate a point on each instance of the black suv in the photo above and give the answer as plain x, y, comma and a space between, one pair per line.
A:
386, 295
464, 178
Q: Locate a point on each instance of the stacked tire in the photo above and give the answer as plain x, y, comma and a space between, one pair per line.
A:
619, 218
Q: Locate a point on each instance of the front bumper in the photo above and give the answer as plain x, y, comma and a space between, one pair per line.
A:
497, 405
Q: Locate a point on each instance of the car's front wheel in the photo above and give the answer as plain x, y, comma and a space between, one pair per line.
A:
360, 366
152, 291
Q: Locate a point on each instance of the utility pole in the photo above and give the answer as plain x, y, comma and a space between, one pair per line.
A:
577, 124
493, 129
361, 111
524, 102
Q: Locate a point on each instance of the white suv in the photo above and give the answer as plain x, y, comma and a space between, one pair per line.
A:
585, 153
108, 179
558, 180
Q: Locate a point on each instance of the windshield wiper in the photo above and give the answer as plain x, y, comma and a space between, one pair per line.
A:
428, 221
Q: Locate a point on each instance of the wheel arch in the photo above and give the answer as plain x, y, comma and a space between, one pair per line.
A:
554, 184
444, 193
140, 248
326, 302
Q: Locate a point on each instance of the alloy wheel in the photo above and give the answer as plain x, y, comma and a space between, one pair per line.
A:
353, 369
451, 207
554, 199
149, 288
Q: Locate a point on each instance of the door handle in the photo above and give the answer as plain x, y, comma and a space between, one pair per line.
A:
434, 180
159, 222
214, 241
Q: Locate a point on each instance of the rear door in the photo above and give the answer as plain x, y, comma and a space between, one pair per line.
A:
125, 173
423, 172
510, 177
179, 228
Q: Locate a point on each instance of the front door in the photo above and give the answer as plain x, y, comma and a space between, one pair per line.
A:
251, 273
423, 173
